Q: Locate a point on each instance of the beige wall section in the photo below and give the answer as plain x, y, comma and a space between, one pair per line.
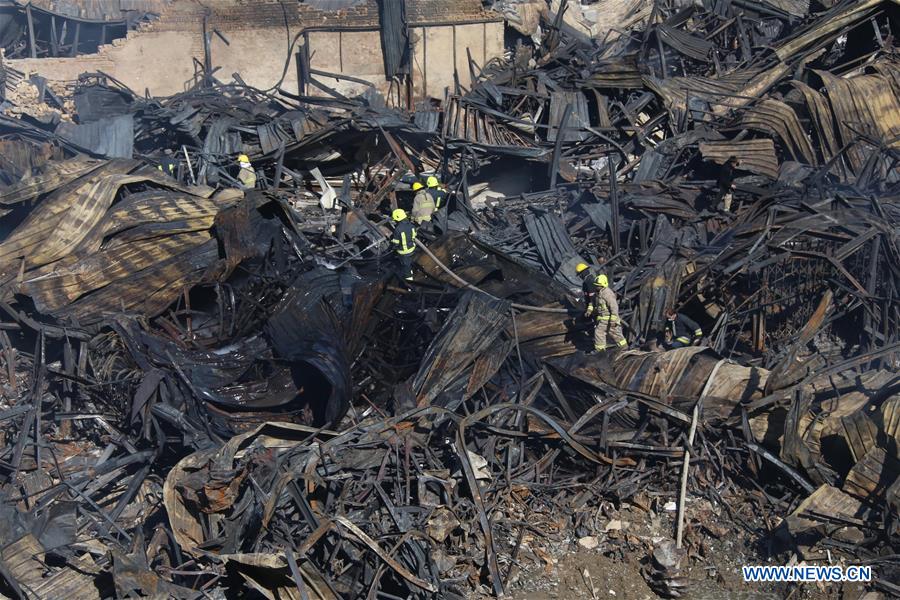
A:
162, 61
257, 55
353, 53
438, 48
435, 50
494, 43
439, 57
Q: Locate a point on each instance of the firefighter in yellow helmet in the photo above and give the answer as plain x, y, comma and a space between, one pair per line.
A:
423, 204
404, 242
604, 308
588, 289
439, 196
247, 174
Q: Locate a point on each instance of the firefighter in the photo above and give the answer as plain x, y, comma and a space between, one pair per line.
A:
438, 194
681, 330
247, 174
588, 289
605, 310
168, 164
404, 242
726, 182
423, 204
440, 202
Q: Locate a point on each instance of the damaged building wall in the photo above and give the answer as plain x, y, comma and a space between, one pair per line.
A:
163, 56
158, 61
349, 52
435, 45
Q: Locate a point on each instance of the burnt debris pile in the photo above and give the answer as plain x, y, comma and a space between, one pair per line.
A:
210, 391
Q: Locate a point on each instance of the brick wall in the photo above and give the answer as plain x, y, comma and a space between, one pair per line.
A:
364, 15
446, 11
228, 15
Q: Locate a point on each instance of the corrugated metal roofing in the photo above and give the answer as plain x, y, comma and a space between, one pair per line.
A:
796, 8
821, 118
616, 73
685, 43
110, 138
757, 156
578, 117
864, 105
394, 37
99, 11
777, 118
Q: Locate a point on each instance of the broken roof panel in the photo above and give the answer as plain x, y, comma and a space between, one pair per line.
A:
795, 8
757, 156
111, 137
98, 11
578, 120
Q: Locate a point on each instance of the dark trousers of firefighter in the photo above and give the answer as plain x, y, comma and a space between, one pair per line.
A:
608, 334
405, 269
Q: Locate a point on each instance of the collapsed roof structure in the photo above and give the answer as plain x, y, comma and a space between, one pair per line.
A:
40, 28
210, 392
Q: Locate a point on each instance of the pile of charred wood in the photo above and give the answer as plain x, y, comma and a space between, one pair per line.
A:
209, 392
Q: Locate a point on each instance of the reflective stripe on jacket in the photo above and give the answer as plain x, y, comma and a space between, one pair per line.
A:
404, 238
606, 307
423, 207
439, 196
167, 165
684, 328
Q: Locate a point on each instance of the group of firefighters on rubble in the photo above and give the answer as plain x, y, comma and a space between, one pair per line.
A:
602, 306
430, 198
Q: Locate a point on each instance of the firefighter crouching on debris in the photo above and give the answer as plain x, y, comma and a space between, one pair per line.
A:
168, 164
247, 174
605, 310
588, 289
726, 182
423, 206
681, 330
404, 241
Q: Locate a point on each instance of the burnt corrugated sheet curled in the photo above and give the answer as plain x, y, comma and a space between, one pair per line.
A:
465, 354
86, 251
306, 332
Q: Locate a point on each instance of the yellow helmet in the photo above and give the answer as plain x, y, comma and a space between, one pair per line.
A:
602, 281
399, 214
432, 181
417, 186
243, 158
581, 267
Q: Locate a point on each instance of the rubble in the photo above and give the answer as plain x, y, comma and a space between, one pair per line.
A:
213, 392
